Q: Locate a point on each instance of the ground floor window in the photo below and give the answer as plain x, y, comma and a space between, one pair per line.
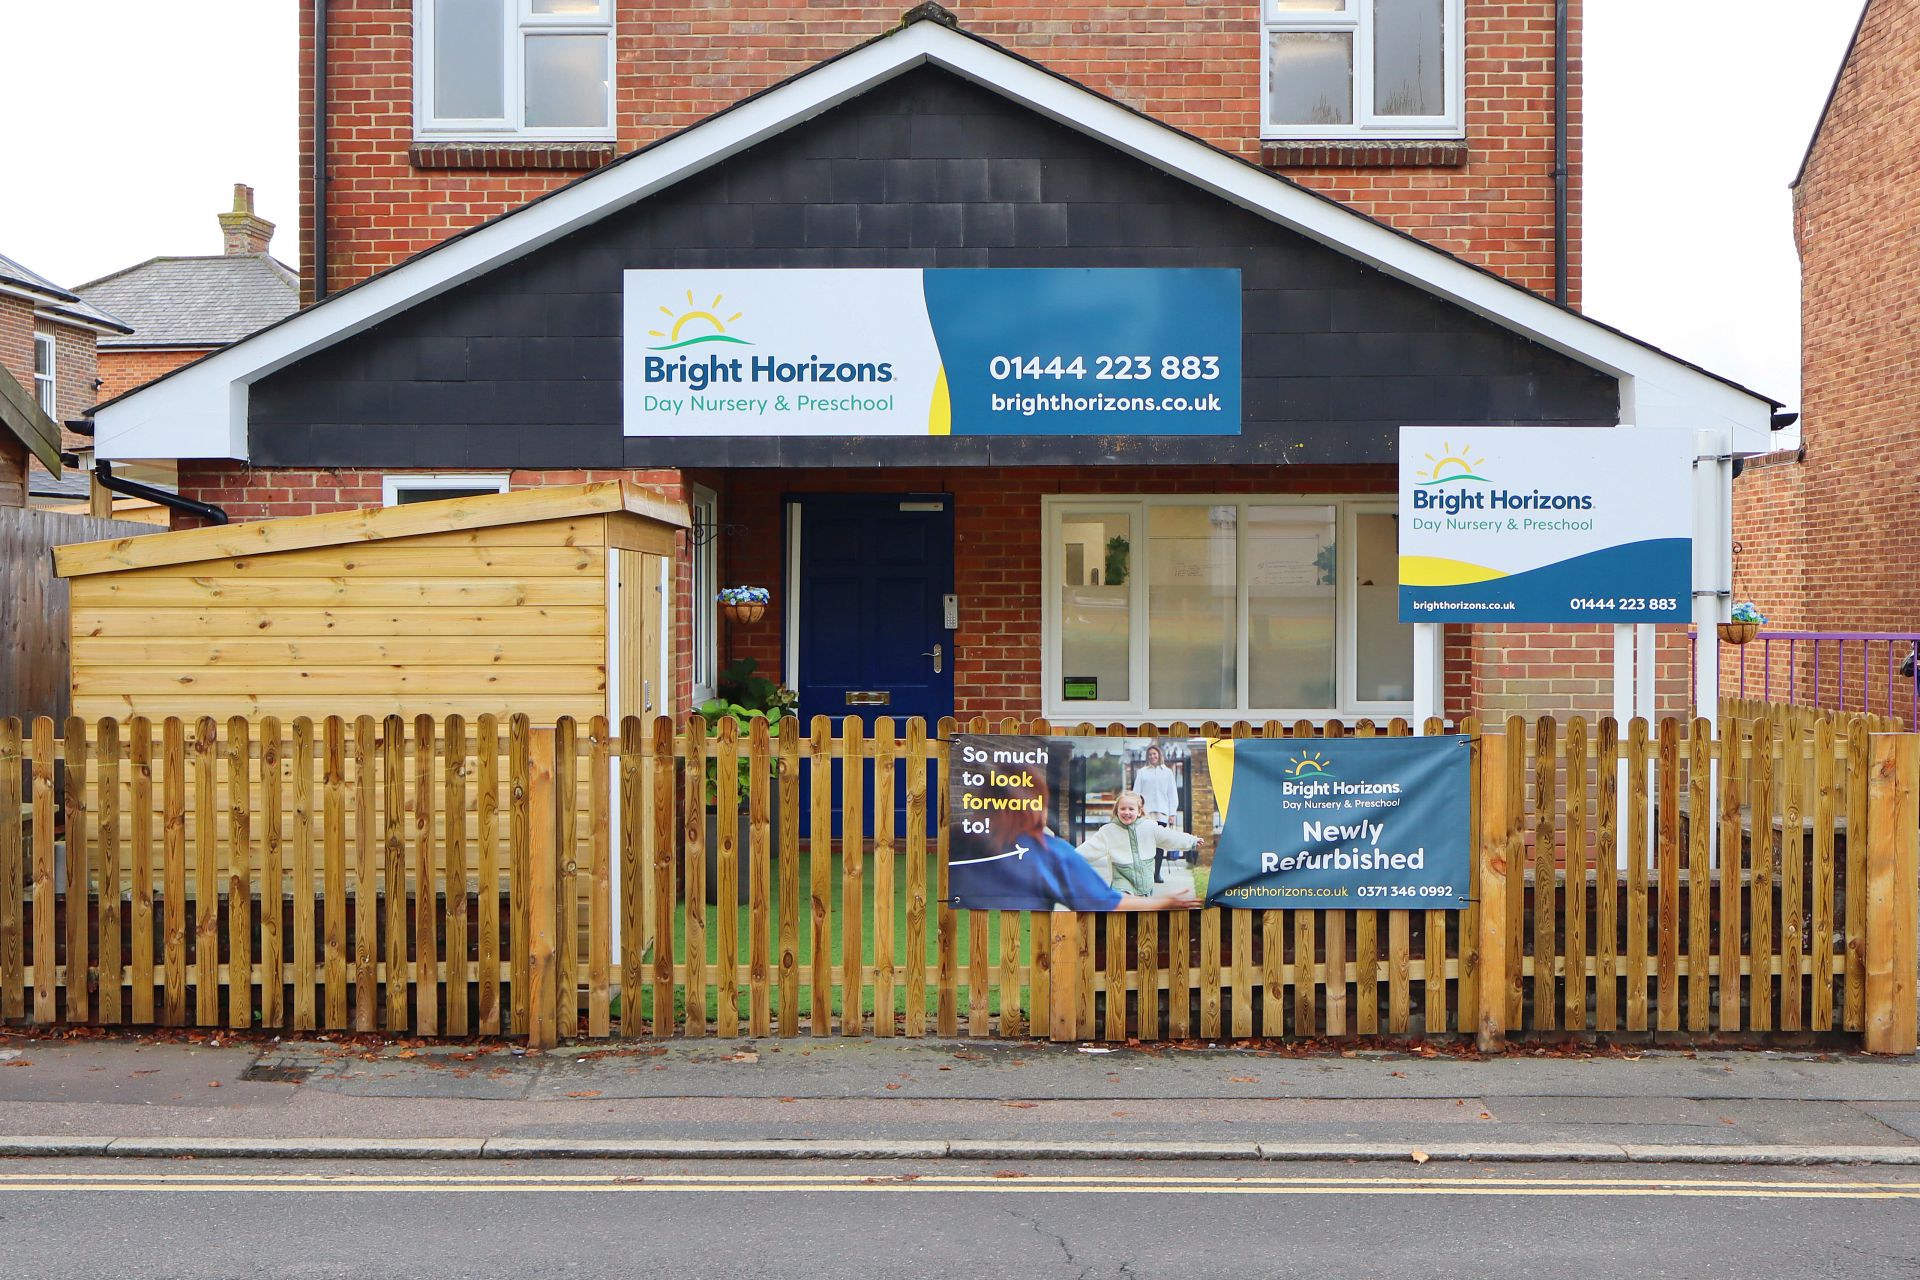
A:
1201, 607
399, 491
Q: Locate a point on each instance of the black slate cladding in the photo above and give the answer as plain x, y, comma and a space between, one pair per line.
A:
522, 367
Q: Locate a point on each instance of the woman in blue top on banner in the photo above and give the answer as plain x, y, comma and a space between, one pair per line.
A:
1019, 864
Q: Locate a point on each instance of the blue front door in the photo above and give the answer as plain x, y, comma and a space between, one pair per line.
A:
871, 637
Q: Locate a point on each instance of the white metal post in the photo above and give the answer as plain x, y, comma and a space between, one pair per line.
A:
1429, 672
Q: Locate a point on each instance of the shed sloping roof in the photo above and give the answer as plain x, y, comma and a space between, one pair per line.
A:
195, 301
300, 533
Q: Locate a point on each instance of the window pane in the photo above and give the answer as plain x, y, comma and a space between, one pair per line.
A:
1310, 78
1193, 601
566, 82
1384, 643
1311, 6
1409, 62
1096, 606
42, 356
570, 8
1291, 600
469, 59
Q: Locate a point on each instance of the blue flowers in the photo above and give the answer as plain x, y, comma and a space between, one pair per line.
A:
1747, 611
745, 595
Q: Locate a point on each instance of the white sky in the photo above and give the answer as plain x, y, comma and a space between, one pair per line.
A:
131, 120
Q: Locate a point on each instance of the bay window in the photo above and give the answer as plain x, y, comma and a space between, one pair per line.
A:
1223, 608
1353, 68
515, 68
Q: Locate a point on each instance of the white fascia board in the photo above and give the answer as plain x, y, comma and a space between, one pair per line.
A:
201, 412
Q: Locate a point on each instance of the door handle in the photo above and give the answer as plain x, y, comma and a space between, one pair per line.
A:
938, 653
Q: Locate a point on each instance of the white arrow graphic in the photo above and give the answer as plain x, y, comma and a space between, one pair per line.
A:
1018, 851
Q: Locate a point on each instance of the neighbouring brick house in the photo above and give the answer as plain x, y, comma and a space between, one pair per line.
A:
1828, 532
180, 308
497, 180
48, 342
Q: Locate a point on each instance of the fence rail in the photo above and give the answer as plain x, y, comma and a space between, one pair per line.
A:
454, 878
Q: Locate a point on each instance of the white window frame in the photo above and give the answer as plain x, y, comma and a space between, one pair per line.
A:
1346, 657
703, 508
1349, 622
1357, 18
391, 485
46, 384
522, 25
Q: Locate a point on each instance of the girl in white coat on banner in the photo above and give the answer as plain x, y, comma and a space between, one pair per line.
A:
1135, 854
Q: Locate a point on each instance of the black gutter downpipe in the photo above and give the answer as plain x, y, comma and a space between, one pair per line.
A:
103, 471
319, 248
1561, 21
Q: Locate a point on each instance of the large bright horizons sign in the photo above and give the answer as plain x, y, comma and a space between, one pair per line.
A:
904, 352
1525, 524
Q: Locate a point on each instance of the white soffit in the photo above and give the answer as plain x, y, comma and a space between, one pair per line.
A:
201, 411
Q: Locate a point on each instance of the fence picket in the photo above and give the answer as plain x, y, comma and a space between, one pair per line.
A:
1546, 765
519, 851
884, 758
1667, 931
1574, 992
173, 902
273, 886
759, 878
305, 976
206, 876
599, 878
13, 960
1433, 942
140, 874
1793, 850
1699, 874
1825, 809
853, 847
946, 920
486, 747
978, 947
454, 780
820, 870
1859, 765
108, 827
333, 857
788, 855
79, 873
917, 877
566, 877
46, 966
1760, 905
1638, 759
1732, 787
366, 862
666, 796
636, 870
726, 880
1606, 888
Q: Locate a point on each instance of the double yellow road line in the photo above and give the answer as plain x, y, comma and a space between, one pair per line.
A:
604, 1183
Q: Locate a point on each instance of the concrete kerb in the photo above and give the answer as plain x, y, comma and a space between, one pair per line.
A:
893, 1149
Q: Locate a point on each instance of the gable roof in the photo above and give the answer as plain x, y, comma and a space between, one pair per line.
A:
195, 301
51, 299
200, 410
374, 524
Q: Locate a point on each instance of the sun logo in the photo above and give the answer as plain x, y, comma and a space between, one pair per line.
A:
1309, 764
695, 318
1451, 466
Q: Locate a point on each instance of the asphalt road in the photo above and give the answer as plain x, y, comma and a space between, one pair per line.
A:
211, 1220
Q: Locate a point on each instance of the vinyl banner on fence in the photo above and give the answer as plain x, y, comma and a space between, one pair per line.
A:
1536, 524
1342, 822
1040, 823
909, 351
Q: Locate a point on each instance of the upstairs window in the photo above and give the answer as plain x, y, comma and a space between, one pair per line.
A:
513, 68
43, 377
1356, 68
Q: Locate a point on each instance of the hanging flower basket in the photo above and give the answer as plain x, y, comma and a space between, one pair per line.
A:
745, 604
1738, 632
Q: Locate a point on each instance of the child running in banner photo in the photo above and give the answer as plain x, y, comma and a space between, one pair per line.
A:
1134, 853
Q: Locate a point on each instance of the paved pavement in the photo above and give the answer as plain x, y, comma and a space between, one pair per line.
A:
98, 1220
935, 1092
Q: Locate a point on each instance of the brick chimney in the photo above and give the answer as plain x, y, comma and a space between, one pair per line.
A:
244, 231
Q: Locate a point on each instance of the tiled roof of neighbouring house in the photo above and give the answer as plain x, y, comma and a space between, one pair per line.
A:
196, 302
61, 302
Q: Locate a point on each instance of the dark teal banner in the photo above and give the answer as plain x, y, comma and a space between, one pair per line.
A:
1339, 823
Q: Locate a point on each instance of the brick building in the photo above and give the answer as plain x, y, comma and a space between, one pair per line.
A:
1826, 542
181, 307
48, 341
500, 206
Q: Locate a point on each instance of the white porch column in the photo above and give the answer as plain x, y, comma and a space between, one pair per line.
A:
1712, 564
1429, 672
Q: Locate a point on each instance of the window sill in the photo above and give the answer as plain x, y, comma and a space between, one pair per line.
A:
503, 154
1364, 153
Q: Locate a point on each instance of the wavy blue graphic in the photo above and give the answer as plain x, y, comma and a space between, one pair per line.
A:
1634, 576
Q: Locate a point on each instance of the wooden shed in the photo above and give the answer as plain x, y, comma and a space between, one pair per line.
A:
552, 601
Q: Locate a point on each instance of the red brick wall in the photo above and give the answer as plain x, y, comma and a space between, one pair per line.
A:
16, 339
122, 370
74, 372
1829, 542
1195, 65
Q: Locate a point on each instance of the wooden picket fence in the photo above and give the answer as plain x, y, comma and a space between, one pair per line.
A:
446, 878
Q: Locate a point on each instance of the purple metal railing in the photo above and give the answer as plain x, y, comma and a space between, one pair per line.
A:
1858, 671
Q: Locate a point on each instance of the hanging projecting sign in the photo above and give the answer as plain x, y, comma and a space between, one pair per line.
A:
906, 352
1525, 524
